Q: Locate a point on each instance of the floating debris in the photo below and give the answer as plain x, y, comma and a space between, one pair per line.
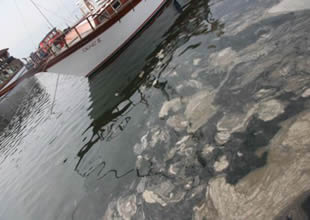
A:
160, 54
163, 193
175, 168
140, 147
171, 153
263, 93
159, 136
306, 93
197, 191
270, 109
183, 140
222, 137
221, 164
224, 58
207, 150
177, 122
172, 105
189, 84
196, 61
151, 197
284, 175
199, 110
127, 207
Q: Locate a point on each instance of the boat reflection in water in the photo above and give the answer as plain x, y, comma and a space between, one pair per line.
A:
85, 163
123, 86
112, 89
116, 89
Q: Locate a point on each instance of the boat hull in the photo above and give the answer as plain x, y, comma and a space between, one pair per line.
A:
85, 60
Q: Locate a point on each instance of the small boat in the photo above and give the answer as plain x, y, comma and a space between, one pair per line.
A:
98, 36
12, 82
11, 69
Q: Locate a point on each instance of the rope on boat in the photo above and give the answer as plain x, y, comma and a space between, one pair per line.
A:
53, 103
25, 25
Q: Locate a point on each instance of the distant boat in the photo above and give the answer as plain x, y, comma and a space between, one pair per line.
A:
99, 36
11, 83
11, 69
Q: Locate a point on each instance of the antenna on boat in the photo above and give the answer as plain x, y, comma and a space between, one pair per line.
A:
50, 24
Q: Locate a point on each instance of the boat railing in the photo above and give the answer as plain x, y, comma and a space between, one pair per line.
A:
84, 27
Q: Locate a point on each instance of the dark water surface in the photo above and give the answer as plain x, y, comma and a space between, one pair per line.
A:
204, 116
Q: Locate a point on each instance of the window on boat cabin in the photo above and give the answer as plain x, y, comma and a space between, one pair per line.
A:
116, 5
104, 16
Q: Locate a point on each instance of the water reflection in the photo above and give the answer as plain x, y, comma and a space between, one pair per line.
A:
19, 104
194, 111
116, 90
9, 105
122, 102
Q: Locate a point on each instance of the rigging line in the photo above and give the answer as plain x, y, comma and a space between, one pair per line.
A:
67, 10
51, 25
52, 12
25, 25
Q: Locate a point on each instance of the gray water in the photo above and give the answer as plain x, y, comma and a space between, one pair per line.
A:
204, 116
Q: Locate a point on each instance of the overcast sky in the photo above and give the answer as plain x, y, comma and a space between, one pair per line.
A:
22, 26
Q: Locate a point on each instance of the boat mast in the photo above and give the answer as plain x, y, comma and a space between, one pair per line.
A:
50, 24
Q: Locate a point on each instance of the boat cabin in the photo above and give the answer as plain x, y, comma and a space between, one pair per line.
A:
101, 34
100, 16
100, 12
52, 41
9, 65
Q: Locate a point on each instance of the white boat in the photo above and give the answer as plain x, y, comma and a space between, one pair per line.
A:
100, 35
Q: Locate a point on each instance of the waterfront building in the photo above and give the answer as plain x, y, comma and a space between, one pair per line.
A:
9, 65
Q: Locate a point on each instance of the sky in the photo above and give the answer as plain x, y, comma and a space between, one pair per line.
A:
22, 26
